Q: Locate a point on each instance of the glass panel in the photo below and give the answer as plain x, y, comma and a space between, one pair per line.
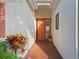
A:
47, 28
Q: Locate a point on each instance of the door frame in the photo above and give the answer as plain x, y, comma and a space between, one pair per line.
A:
37, 25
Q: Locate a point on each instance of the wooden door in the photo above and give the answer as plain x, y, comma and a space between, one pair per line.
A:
41, 29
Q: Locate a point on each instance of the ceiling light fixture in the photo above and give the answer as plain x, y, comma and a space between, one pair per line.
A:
43, 4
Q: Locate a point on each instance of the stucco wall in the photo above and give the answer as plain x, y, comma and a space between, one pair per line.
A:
21, 19
65, 38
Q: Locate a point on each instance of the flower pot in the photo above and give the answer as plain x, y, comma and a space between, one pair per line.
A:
49, 40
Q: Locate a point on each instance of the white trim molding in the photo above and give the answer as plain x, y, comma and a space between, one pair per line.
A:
32, 3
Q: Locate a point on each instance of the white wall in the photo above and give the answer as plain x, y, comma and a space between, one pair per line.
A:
64, 38
20, 19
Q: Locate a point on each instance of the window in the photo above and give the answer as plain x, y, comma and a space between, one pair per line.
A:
57, 21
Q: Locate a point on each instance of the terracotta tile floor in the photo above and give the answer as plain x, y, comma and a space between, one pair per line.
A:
43, 50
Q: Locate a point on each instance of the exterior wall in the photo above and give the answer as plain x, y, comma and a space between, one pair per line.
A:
21, 19
65, 38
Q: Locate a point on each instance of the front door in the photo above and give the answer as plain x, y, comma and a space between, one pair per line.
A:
41, 29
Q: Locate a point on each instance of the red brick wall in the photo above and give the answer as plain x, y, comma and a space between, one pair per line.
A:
2, 20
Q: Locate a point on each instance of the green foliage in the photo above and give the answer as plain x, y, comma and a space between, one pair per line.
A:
7, 55
3, 46
4, 54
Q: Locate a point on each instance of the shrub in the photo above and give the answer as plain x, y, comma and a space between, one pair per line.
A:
7, 55
4, 54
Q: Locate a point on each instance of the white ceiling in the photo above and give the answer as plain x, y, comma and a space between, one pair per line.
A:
36, 3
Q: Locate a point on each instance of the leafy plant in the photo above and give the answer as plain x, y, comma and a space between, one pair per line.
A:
16, 41
4, 54
7, 55
3, 46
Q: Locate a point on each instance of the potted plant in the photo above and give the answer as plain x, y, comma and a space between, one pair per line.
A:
50, 39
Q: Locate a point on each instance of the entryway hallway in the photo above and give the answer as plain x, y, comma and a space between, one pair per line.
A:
44, 50
36, 20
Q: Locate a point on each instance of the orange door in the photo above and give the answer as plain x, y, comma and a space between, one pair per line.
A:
41, 29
